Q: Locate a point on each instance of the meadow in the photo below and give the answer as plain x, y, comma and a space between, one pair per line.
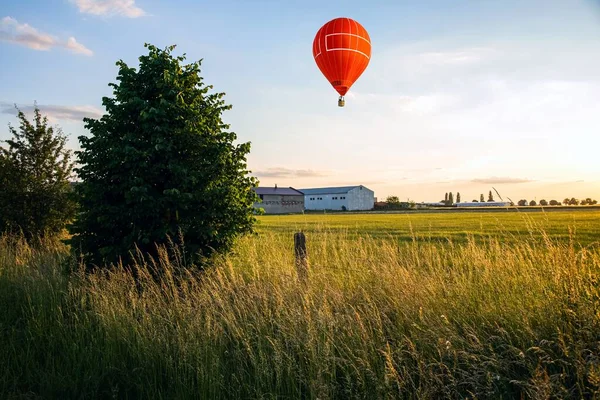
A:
456, 305
581, 224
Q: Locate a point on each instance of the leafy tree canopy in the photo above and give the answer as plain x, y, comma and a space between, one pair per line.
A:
392, 200
160, 163
35, 168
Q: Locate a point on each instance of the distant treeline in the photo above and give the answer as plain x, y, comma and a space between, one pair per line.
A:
393, 202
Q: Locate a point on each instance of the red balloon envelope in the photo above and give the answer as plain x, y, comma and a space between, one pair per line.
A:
342, 51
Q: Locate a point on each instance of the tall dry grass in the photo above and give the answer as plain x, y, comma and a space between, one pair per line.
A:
377, 319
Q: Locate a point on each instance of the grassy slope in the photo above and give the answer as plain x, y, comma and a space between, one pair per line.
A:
477, 317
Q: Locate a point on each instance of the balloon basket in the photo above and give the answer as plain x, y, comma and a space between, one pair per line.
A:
341, 101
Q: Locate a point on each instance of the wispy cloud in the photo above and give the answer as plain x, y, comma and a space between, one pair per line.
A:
54, 112
25, 35
12, 31
289, 173
354, 182
453, 57
419, 105
416, 61
426, 104
77, 47
124, 8
501, 180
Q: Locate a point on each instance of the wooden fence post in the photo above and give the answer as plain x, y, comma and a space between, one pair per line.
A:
301, 256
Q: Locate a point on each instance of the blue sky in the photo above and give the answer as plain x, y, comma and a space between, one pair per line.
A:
459, 95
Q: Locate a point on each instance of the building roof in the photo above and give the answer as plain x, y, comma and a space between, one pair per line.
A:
283, 191
329, 190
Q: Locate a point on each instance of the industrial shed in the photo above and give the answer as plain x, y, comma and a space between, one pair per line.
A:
351, 198
276, 200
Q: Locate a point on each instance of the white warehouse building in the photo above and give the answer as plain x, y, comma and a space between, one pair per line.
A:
350, 198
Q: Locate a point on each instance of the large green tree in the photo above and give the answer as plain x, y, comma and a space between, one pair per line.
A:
35, 168
161, 163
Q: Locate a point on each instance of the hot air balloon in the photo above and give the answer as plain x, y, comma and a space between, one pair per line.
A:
342, 51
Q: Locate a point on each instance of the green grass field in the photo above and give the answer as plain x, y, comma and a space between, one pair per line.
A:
460, 305
582, 225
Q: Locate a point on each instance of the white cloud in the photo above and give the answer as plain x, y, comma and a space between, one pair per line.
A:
417, 105
289, 173
25, 35
535, 109
412, 63
455, 57
425, 104
501, 180
125, 8
54, 112
77, 47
